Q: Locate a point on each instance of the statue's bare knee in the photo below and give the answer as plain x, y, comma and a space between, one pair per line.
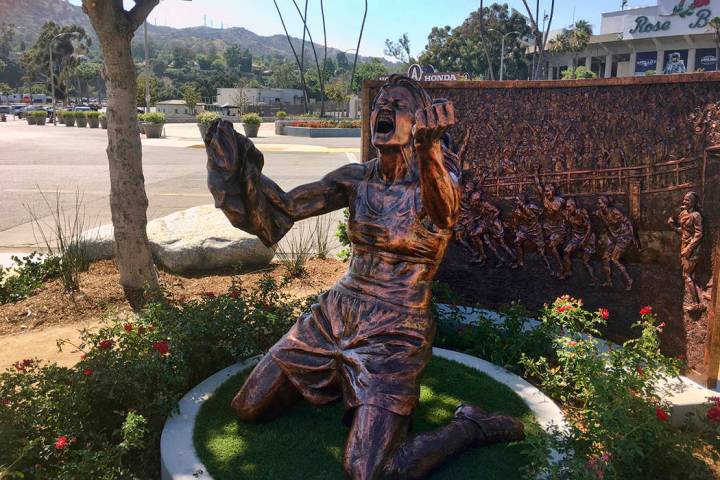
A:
265, 394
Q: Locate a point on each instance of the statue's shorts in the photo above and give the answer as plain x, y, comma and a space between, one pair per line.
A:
358, 348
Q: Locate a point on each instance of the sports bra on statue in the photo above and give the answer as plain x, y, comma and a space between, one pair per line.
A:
396, 252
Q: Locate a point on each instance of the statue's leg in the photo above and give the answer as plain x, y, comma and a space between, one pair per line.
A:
616, 259
567, 260
266, 394
471, 427
589, 268
375, 436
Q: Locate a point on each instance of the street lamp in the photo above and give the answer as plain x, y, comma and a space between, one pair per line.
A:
52, 74
502, 49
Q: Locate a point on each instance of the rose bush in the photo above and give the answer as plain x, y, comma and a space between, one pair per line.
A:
102, 418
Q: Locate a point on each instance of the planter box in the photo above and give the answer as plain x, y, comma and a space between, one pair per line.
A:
69, 121
153, 130
103, 123
30, 120
203, 130
81, 122
40, 121
93, 122
251, 129
321, 132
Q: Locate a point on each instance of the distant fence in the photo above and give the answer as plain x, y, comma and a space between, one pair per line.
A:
661, 177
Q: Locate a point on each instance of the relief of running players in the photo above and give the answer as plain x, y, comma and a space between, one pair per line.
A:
554, 226
526, 218
488, 230
582, 239
620, 235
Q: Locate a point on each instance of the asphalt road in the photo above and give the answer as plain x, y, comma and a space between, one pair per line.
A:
59, 161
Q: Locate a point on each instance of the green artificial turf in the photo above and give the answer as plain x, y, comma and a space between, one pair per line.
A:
307, 443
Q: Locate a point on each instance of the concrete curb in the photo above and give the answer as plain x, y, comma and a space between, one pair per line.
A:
179, 459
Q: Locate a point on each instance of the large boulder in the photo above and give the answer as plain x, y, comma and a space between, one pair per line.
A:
196, 239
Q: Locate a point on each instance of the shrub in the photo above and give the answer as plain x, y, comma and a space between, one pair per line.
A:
281, 114
618, 424
343, 237
93, 114
26, 276
295, 250
579, 73
80, 114
103, 417
38, 114
63, 236
206, 118
102, 116
153, 117
68, 113
251, 119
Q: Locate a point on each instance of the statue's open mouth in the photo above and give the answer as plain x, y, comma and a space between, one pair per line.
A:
385, 122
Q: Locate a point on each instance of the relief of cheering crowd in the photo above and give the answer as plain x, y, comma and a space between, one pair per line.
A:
557, 228
538, 127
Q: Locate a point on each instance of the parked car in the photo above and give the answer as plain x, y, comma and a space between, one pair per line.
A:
16, 109
5, 109
82, 108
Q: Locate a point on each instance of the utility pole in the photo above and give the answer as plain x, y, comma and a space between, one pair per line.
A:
147, 72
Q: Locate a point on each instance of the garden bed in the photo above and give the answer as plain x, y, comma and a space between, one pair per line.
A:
228, 447
313, 132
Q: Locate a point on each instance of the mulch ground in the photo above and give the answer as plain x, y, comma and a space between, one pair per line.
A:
100, 292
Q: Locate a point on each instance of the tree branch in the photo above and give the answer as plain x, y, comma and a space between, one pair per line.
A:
139, 13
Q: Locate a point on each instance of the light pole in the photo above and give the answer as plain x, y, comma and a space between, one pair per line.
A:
502, 49
147, 72
52, 74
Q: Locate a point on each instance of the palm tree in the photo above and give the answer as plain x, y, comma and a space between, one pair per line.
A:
715, 25
573, 41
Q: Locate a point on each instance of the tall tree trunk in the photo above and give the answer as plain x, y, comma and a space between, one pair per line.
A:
128, 200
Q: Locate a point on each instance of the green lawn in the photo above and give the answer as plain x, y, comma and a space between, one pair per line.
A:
308, 442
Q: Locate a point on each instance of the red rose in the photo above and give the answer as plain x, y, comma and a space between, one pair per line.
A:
640, 371
234, 294
646, 310
61, 442
572, 343
562, 308
162, 347
127, 327
604, 313
701, 3
210, 294
713, 414
87, 372
661, 414
106, 344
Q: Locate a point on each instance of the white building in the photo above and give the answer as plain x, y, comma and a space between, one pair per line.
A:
670, 37
258, 96
175, 107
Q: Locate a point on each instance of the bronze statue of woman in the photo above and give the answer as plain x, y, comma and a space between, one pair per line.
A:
368, 339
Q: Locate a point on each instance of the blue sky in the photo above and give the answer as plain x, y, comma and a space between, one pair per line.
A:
386, 18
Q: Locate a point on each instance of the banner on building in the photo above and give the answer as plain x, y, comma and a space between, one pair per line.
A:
645, 62
706, 59
675, 61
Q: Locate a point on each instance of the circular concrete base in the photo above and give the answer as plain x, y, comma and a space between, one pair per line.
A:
180, 461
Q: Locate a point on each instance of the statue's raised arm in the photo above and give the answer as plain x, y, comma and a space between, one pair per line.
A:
253, 202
